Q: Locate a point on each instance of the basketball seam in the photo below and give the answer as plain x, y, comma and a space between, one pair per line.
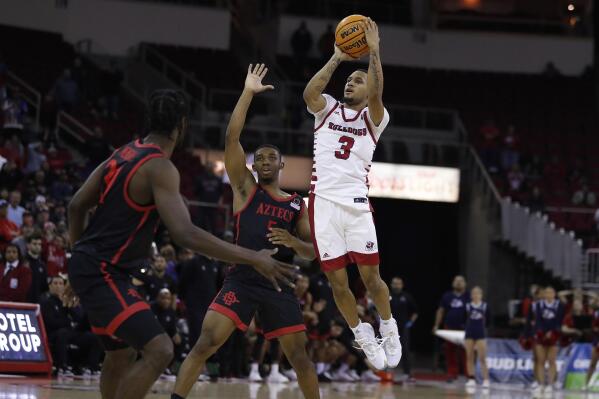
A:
351, 38
349, 23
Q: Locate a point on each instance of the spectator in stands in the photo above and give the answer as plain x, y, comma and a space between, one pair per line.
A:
55, 255
15, 276
197, 288
509, 153
516, 180
568, 297
156, 279
81, 77
96, 147
578, 173
112, 79
15, 109
35, 158
490, 136
301, 43
62, 189
170, 255
15, 210
209, 189
39, 273
577, 324
536, 202
405, 311
63, 329
164, 312
584, 197
65, 91
326, 42
10, 176
451, 314
8, 229
534, 169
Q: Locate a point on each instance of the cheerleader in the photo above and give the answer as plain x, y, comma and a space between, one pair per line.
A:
548, 317
595, 350
477, 316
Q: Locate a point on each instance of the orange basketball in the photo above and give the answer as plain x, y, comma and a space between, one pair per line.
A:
350, 37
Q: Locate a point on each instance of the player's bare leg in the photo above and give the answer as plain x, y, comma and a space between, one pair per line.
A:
379, 292
216, 329
115, 366
137, 381
377, 288
294, 347
364, 333
344, 298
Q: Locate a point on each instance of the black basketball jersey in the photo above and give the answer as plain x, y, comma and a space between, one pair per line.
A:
261, 213
120, 232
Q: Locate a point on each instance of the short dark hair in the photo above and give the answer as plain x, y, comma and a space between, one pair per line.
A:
34, 236
274, 147
362, 70
166, 109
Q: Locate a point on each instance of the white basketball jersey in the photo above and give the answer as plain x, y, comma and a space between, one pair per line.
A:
344, 143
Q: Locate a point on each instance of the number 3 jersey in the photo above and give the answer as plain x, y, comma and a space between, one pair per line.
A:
344, 144
120, 232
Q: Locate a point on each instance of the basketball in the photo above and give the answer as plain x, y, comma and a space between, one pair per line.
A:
350, 37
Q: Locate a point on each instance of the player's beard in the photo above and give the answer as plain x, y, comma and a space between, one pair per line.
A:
349, 101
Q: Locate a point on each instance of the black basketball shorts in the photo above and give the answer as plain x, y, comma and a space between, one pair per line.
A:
280, 312
116, 311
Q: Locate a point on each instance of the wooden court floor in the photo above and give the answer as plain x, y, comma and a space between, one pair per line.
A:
27, 388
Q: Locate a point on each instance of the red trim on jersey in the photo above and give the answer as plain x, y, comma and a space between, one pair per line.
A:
237, 217
312, 187
129, 200
311, 220
350, 119
121, 318
138, 143
314, 178
122, 249
326, 117
218, 308
247, 202
369, 127
331, 265
302, 209
112, 285
365, 259
285, 331
277, 198
107, 189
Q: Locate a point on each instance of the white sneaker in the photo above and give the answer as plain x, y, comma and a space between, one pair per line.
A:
203, 377
342, 376
354, 374
66, 373
548, 390
534, 385
486, 384
369, 376
291, 374
255, 376
391, 343
277, 378
471, 383
372, 349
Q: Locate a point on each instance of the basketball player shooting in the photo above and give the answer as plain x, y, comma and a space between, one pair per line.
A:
267, 217
130, 192
342, 224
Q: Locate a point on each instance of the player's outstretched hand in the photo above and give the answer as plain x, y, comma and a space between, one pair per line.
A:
340, 55
371, 31
274, 270
279, 236
253, 80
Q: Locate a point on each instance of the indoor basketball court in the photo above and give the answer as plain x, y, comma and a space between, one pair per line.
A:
26, 388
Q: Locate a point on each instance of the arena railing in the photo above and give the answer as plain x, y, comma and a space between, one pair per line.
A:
31, 96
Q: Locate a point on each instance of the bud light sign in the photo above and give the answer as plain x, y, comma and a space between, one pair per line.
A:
23, 343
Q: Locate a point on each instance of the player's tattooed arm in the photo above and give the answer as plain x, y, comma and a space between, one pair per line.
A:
315, 87
240, 176
375, 73
82, 202
300, 244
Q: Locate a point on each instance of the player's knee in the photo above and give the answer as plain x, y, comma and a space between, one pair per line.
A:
160, 352
374, 283
207, 344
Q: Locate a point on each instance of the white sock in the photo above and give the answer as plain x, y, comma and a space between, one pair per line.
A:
387, 323
274, 368
319, 368
254, 368
355, 329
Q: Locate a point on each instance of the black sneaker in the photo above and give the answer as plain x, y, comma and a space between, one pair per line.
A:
323, 378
